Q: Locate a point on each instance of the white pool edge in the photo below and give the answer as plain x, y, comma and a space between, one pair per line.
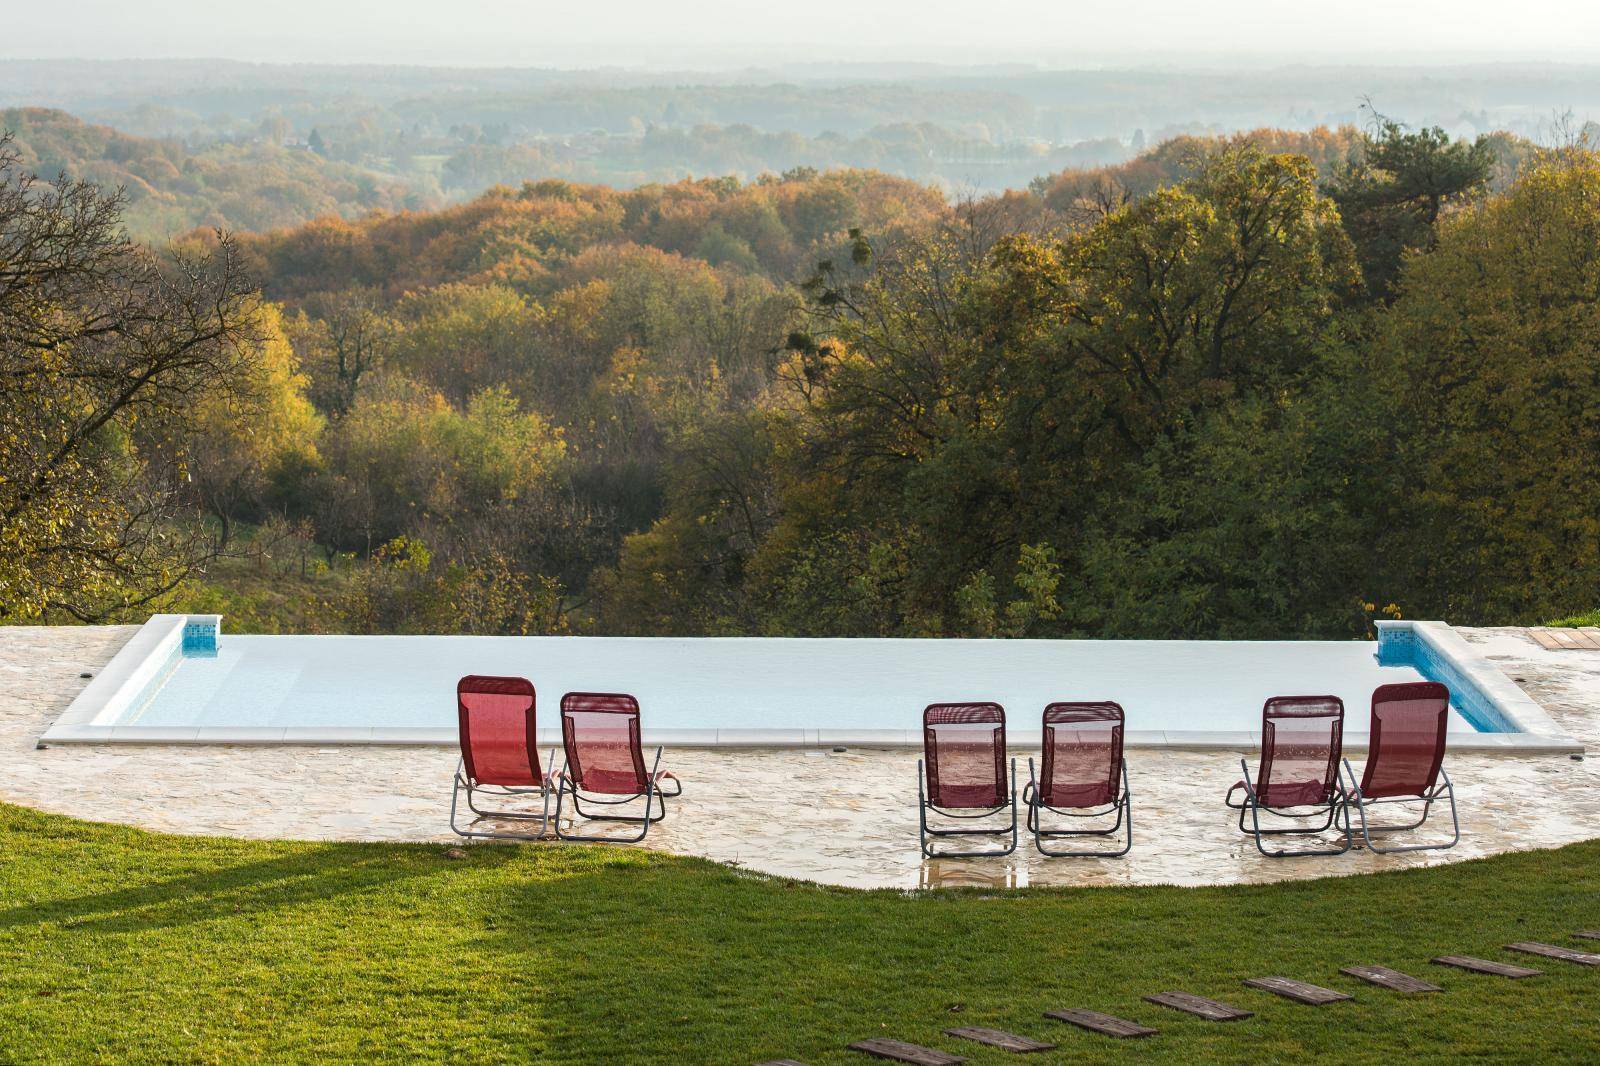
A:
110, 691
88, 719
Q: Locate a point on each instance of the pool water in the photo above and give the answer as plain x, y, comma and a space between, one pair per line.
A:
754, 683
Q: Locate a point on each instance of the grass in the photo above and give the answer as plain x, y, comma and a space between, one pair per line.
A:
121, 945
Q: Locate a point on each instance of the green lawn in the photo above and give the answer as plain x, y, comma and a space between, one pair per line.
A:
119, 945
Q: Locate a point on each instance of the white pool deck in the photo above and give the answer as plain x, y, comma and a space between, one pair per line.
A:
842, 818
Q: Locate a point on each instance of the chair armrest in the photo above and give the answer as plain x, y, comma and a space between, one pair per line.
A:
1355, 788
1249, 786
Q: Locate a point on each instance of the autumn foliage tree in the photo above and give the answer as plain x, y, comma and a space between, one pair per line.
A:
105, 350
1495, 337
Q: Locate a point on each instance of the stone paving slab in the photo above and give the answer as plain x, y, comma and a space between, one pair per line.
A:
850, 817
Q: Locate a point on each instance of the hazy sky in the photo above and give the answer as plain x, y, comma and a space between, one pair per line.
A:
674, 33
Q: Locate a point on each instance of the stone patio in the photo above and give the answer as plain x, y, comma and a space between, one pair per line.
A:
842, 818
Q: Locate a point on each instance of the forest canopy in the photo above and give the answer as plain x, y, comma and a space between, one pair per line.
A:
1270, 385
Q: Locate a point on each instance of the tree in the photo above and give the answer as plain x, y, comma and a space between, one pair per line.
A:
104, 351
973, 396
1396, 185
405, 460
348, 339
1496, 335
258, 439
462, 338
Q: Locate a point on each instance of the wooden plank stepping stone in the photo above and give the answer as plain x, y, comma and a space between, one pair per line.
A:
1552, 951
900, 1051
781, 1062
1585, 639
1105, 1024
1298, 991
1588, 934
1392, 979
1000, 1038
1209, 1009
1499, 969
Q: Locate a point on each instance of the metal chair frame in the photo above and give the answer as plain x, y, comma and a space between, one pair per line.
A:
462, 785
1334, 810
1426, 798
653, 797
1122, 807
924, 807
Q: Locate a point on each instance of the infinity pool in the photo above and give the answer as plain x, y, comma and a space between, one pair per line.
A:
402, 682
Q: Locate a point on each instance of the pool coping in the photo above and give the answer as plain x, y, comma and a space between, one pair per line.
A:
90, 718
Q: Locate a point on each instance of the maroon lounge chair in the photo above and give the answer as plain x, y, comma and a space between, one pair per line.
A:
605, 764
1082, 775
499, 753
1299, 778
1405, 759
962, 775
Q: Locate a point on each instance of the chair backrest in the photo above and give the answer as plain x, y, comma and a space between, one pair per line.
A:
964, 745
1405, 752
600, 732
1082, 754
1300, 741
498, 743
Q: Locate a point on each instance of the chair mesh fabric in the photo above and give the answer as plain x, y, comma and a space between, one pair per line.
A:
600, 731
1082, 754
1408, 736
498, 743
964, 747
1300, 741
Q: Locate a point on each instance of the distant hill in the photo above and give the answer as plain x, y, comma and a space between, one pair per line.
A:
254, 186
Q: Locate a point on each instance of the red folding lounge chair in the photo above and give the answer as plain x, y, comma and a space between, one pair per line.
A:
605, 764
1083, 775
1299, 778
1405, 759
962, 775
499, 753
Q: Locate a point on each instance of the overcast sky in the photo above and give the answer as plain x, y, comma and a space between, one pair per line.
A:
675, 33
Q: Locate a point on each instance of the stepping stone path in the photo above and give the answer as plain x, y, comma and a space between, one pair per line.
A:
1105, 1024
1551, 951
781, 1062
1298, 991
1499, 969
1213, 1010
1209, 1009
900, 1051
1392, 979
1000, 1038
